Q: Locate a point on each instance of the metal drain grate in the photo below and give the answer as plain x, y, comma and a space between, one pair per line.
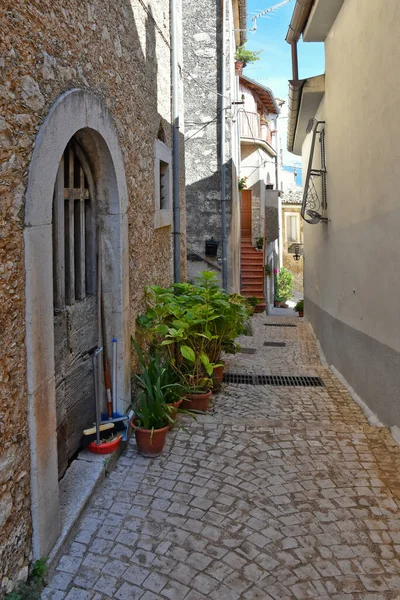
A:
243, 378
279, 380
279, 325
275, 344
248, 350
289, 380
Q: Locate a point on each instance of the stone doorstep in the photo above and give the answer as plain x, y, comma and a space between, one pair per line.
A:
81, 479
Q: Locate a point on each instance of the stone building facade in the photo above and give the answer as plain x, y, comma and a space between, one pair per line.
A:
96, 75
202, 47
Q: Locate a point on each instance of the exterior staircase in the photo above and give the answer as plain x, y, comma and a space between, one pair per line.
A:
252, 269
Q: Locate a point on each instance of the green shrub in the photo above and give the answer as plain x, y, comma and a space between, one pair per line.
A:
284, 285
189, 325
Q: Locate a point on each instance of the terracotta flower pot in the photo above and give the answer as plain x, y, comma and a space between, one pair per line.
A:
196, 401
301, 313
218, 375
150, 443
175, 406
239, 66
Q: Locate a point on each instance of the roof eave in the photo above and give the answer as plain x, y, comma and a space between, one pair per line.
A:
298, 21
305, 96
295, 89
263, 89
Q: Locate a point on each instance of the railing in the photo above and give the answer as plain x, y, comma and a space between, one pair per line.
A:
252, 126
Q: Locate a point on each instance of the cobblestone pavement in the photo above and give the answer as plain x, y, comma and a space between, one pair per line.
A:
280, 492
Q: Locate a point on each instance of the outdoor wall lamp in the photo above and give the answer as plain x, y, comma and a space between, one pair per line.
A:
296, 254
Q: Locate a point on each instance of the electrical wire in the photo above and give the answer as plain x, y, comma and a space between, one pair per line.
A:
215, 120
201, 85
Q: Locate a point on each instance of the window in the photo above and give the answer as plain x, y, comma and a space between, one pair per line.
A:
162, 185
73, 229
292, 227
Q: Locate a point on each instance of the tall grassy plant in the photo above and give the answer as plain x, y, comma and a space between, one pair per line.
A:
152, 410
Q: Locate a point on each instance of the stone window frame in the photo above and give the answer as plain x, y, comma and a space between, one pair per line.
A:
162, 160
82, 114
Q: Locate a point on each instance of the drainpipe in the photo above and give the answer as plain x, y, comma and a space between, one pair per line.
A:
300, 15
222, 153
176, 200
295, 61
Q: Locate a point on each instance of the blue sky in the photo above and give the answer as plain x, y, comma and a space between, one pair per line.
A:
274, 68
275, 65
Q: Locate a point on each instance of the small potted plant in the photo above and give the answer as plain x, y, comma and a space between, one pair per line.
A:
244, 57
259, 243
153, 414
299, 308
242, 183
268, 270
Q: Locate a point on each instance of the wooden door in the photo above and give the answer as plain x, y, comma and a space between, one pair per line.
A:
246, 214
75, 302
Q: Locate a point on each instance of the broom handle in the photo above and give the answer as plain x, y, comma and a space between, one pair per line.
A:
114, 375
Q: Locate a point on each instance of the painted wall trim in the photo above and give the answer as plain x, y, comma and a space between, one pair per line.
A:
369, 367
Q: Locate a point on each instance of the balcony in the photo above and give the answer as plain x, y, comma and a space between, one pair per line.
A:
253, 126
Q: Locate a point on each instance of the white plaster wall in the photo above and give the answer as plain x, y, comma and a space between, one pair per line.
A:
352, 264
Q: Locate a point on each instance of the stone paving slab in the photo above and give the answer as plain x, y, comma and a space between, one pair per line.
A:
279, 492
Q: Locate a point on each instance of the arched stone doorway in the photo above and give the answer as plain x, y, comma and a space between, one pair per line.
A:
80, 115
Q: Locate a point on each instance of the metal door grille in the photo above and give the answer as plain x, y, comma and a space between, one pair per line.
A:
277, 380
275, 344
73, 229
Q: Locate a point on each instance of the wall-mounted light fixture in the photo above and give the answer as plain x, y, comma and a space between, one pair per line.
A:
297, 254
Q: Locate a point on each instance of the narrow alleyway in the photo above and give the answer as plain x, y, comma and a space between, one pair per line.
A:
280, 492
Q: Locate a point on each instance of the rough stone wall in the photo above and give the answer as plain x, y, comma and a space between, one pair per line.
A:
120, 50
202, 51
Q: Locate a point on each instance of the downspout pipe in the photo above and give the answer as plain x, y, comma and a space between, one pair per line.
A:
298, 21
176, 200
224, 246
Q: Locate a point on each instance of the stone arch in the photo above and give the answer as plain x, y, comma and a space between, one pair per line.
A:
82, 114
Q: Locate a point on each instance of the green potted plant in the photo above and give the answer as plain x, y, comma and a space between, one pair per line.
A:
259, 243
299, 308
268, 270
190, 325
155, 405
246, 57
242, 183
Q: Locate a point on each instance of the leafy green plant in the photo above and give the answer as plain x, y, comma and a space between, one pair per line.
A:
191, 324
253, 301
268, 270
242, 183
247, 56
260, 243
32, 589
284, 285
299, 306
